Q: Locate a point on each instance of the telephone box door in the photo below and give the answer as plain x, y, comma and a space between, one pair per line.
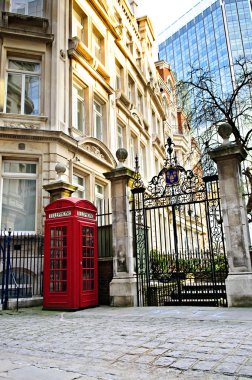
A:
57, 265
88, 265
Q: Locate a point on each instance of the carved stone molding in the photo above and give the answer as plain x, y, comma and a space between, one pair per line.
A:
22, 125
92, 149
137, 116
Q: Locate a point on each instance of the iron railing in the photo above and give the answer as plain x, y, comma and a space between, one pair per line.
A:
104, 221
21, 266
105, 259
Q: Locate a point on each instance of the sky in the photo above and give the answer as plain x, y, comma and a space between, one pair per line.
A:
164, 12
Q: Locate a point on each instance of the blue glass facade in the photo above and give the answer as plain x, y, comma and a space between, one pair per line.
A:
213, 38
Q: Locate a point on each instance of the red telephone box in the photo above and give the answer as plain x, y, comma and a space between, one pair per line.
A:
70, 256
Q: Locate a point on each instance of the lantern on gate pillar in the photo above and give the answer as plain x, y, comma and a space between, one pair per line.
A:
70, 256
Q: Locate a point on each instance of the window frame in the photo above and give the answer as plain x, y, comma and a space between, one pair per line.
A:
22, 176
129, 42
97, 36
142, 160
75, 99
101, 116
77, 25
140, 102
82, 24
26, 2
23, 74
118, 77
120, 135
99, 197
131, 89
81, 187
132, 150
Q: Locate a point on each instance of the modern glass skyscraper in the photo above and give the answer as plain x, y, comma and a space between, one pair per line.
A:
211, 35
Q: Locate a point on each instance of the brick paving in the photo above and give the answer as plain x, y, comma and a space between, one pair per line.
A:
126, 343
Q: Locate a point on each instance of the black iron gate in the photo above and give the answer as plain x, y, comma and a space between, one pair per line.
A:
178, 235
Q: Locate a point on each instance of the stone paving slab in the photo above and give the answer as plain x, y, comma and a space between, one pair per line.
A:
127, 343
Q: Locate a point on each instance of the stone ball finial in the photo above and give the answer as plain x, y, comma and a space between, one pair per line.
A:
121, 155
225, 131
60, 169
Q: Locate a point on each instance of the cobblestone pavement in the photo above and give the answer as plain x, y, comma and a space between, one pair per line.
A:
126, 343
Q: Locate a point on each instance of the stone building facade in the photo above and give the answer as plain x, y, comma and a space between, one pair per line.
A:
77, 82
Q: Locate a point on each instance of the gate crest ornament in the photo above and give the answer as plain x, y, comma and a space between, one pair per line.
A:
173, 180
172, 176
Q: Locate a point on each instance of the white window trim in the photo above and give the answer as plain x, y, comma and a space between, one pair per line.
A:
142, 160
23, 73
76, 24
140, 101
120, 134
98, 44
132, 151
82, 100
26, 8
131, 89
118, 77
33, 176
100, 115
81, 188
99, 196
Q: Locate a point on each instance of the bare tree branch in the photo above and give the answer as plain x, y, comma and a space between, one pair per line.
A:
208, 102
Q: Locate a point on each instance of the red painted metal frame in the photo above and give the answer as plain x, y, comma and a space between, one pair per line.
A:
71, 255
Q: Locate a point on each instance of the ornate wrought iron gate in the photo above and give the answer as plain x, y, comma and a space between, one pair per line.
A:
178, 235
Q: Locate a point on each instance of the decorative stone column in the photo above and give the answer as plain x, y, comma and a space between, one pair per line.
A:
123, 285
228, 158
59, 188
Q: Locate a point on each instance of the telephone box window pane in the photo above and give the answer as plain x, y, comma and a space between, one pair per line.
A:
87, 261
90, 252
58, 259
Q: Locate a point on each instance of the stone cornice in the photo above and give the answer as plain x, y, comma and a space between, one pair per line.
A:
148, 21
74, 54
106, 16
21, 26
227, 151
120, 173
85, 53
89, 145
40, 135
129, 15
97, 148
16, 33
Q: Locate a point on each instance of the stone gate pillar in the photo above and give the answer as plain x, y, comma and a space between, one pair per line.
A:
228, 158
123, 285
